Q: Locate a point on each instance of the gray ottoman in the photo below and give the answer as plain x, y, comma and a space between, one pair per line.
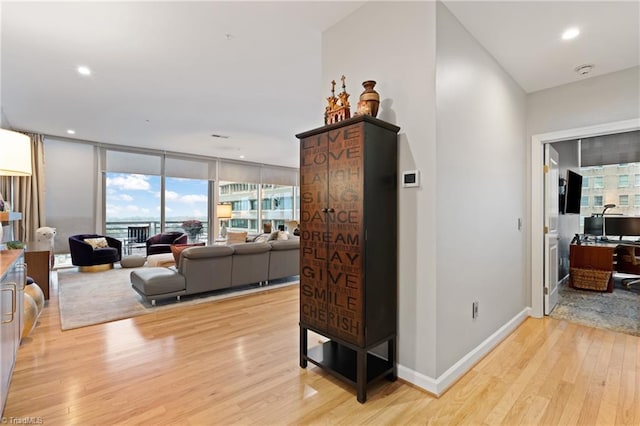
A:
133, 261
157, 283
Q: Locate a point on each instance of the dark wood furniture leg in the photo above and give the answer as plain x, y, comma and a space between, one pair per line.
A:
303, 347
361, 378
391, 354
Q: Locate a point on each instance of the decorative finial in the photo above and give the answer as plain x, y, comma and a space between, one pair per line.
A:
338, 107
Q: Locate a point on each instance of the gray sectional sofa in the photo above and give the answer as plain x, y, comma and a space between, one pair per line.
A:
209, 268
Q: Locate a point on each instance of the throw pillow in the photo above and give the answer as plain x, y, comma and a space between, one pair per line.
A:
176, 249
234, 237
261, 238
273, 236
282, 235
96, 243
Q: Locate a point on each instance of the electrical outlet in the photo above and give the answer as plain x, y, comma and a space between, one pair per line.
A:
474, 312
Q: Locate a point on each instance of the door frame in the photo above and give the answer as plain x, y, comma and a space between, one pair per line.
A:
536, 229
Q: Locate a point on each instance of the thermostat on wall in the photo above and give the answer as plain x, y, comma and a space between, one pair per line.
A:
411, 178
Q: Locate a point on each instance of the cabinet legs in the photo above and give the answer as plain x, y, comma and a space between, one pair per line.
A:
391, 355
361, 376
303, 347
356, 365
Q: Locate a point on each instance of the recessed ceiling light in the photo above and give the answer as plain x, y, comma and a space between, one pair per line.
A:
84, 70
584, 69
570, 33
71, 132
242, 156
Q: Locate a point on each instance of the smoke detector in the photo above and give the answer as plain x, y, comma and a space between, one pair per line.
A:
584, 69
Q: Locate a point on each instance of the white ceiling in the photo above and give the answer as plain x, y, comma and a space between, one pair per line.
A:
525, 37
166, 76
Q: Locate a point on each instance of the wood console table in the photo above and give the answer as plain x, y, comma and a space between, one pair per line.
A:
37, 256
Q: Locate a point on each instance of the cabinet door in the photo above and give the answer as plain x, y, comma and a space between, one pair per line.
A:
345, 279
313, 231
10, 329
331, 231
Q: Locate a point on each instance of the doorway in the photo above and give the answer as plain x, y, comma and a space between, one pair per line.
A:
537, 197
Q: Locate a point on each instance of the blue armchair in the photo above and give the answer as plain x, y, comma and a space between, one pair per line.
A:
86, 257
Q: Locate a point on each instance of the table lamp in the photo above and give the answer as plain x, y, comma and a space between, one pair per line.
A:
223, 211
291, 225
15, 156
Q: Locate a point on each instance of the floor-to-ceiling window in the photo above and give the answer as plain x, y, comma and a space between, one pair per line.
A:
189, 196
131, 205
258, 195
131, 200
615, 184
278, 204
120, 187
242, 196
155, 193
186, 200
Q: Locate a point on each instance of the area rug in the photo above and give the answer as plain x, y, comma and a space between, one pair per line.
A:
618, 311
93, 298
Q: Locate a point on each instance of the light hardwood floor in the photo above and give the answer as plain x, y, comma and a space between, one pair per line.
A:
236, 362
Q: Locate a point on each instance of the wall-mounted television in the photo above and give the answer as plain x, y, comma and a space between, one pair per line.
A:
572, 194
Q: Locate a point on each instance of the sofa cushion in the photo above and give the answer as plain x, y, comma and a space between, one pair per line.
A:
250, 248
290, 244
157, 281
207, 251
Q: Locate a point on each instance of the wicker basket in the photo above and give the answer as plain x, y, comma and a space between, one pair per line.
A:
590, 279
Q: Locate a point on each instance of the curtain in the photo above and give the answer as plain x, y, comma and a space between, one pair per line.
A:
5, 188
28, 193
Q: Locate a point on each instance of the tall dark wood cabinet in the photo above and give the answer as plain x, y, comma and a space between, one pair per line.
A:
348, 248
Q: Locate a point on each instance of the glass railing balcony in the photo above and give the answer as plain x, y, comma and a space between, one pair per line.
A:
120, 229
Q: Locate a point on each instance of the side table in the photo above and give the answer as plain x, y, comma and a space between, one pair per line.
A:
37, 256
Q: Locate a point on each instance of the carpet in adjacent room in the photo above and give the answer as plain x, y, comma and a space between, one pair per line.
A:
618, 311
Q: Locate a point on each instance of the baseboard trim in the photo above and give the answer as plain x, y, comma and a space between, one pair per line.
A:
455, 372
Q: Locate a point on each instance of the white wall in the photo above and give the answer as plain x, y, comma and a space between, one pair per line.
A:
480, 193
591, 103
1, 110
603, 99
458, 236
394, 44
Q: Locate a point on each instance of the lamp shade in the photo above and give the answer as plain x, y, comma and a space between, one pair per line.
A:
15, 154
291, 225
223, 211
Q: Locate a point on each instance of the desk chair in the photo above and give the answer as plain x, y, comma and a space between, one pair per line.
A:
628, 262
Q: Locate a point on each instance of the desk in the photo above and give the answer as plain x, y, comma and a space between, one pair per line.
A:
37, 256
597, 256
